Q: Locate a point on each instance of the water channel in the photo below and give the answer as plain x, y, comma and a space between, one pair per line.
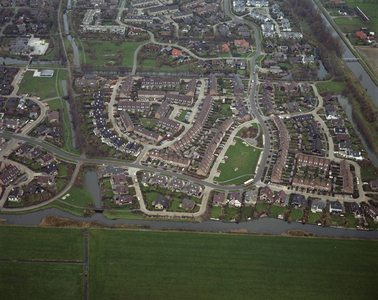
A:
70, 38
265, 225
64, 88
93, 186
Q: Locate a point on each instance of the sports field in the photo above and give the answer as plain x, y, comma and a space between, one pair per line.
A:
133, 264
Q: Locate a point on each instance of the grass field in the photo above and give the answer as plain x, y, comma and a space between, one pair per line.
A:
148, 122
133, 264
370, 9
26, 280
79, 197
36, 280
43, 87
59, 244
54, 104
107, 52
172, 265
242, 157
332, 86
368, 173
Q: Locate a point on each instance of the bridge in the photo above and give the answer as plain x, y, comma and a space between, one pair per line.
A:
351, 59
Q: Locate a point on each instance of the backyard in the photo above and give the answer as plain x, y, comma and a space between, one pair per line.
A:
241, 162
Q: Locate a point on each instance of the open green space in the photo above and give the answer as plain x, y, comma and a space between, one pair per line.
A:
368, 173
62, 74
106, 52
54, 104
44, 87
79, 197
26, 280
39, 243
241, 161
149, 63
183, 264
332, 86
148, 122
118, 214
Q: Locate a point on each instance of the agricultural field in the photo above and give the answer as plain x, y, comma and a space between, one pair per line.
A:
188, 266
370, 55
185, 264
25, 274
241, 162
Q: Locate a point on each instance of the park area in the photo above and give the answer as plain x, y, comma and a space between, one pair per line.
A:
101, 52
181, 265
240, 164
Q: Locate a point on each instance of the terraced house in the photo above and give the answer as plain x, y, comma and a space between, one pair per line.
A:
157, 82
169, 159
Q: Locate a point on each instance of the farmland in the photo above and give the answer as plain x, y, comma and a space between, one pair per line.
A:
147, 264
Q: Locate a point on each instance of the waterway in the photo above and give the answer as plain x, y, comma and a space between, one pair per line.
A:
93, 187
356, 68
70, 38
265, 225
347, 107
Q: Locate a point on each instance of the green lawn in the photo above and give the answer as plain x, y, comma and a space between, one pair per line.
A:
313, 218
149, 63
242, 157
332, 86
176, 265
275, 210
181, 117
62, 170
117, 214
63, 74
262, 207
106, 52
149, 122
350, 26
38, 243
79, 197
26, 280
232, 212
216, 211
54, 104
296, 214
368, 173
43, 87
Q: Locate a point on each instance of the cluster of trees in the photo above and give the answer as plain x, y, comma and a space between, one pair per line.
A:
330, 47
351, 91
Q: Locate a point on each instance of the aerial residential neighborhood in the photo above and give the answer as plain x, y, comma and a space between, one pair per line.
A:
219, 116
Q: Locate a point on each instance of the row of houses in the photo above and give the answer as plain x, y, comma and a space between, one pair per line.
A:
177, 161
208, 157
197, 127
107, 135
283, 150
174, 184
